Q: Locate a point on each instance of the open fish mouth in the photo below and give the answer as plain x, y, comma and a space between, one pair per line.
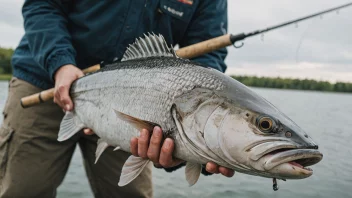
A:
285, 159
297, 159
279, 152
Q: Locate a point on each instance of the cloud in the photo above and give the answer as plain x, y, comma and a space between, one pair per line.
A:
10, 35
11, 12
302, 70
317, 48
11, 23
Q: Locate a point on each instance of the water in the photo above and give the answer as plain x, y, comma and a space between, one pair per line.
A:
325, 116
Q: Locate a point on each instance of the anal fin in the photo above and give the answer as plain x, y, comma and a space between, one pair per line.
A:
102, 145
131, 169
117, 148
192, 172
69, 126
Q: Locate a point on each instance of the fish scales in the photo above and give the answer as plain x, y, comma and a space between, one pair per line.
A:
210, 116
144, 88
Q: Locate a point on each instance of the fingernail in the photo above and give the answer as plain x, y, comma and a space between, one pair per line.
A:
167, 143
209, 168
144, 133
67, 107
157, 128
157, 133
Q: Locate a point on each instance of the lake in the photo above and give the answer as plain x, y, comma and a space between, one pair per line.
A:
325, 116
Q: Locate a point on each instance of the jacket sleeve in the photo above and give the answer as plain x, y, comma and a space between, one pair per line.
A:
209, 21
45, 24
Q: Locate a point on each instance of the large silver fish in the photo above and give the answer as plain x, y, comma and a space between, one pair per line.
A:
211, 116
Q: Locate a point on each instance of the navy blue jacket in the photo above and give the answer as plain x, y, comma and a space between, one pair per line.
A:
86, 32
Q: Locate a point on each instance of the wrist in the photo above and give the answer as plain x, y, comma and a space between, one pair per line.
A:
62, 69
58, 60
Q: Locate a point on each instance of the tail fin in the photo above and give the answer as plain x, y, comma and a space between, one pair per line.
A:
69, 126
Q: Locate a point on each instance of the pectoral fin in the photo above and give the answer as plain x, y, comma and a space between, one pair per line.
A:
135, 122
192, 172
69, 126
131, 169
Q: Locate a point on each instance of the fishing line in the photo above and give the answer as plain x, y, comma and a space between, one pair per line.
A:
306, 31
237, 40
303, 36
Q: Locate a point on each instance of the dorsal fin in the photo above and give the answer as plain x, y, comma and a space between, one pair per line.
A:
149, 46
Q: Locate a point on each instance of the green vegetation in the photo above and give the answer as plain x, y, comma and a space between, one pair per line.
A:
279, 83
287, 83
5, 63
6, 77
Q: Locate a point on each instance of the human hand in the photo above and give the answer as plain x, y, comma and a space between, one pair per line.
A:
88, 131
161, 155
63, 80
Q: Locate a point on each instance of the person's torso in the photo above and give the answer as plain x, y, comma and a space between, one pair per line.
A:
102, 30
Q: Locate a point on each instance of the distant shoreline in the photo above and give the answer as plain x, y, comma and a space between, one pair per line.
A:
5, 77
277, 83
294, 84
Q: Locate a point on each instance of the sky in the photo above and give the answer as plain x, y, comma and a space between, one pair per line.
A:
319, 48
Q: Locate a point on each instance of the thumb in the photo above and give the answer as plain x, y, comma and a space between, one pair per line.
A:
80, 74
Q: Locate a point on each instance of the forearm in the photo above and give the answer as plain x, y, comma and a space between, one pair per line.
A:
49, 40
209, 21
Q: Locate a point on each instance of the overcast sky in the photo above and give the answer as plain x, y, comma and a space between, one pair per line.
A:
319, 48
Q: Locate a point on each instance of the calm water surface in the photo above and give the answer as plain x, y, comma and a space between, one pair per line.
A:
325, 116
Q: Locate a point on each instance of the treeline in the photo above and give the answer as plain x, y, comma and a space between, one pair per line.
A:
5, 60
288, 83
279, 83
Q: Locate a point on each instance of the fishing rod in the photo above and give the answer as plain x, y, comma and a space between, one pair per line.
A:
191, 51
230, 39
242, 36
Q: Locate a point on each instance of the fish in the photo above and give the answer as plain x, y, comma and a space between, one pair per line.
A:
210, 116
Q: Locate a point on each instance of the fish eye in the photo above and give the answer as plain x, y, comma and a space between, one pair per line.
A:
265, 124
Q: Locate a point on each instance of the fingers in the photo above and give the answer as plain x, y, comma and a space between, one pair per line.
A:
88, 131
134, 146
80, 74
211, 167
62, 97
63, 80
152, 148
226, 171
166, 159
154, 145
143, 144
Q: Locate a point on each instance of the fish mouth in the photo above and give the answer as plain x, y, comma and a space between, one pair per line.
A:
293, 162
270, 147
285, 159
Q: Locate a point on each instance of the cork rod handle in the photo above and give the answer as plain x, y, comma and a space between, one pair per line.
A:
191, 51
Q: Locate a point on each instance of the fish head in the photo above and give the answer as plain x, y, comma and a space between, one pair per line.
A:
254, 137
266, 145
